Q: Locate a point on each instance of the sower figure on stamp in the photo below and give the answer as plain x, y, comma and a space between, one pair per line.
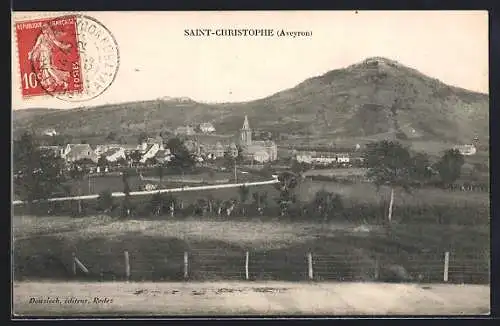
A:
41, 55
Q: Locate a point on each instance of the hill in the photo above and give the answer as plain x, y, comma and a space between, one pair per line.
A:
378, 97
20, 115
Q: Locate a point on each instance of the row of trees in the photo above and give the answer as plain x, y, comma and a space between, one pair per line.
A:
39, 174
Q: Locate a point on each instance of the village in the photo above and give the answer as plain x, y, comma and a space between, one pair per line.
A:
205, 146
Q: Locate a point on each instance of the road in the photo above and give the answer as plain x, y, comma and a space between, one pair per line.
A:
144, 193
249, 298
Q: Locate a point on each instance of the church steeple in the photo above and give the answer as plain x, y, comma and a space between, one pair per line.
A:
246, 133
246, 125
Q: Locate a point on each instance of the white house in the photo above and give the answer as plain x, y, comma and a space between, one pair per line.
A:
184, 130
150, 141
343, 158
150, 152
466, 150
324, 158
207, 127
114, 154
50, 132
75, 152
261, 156
101, 149
303, 157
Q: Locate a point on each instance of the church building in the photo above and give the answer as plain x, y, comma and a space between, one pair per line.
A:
257, 150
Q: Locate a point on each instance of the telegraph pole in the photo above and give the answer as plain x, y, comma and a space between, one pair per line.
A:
235, 175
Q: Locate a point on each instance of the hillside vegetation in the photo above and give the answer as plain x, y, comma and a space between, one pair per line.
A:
377, 97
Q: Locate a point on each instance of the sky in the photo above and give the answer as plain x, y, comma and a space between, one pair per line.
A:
157, 59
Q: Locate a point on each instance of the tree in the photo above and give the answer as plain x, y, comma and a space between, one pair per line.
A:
37, 173
151, 161
449, 166
157, 204
77, 173
388, 164
111, 136
182, 159
143, 136
327, 203
299, 167
244, 193
161, 172
105, 201
260, 201
102, 162
420, 168
287, 183
171, 203
126, 190
135, 156
121, 162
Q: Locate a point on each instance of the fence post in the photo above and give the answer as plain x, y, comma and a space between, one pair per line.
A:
377, 268
185, 265
246, 265
310, 265
73, 262
127, 266
446, 265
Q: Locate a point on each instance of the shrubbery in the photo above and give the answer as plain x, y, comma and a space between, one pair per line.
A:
324, 207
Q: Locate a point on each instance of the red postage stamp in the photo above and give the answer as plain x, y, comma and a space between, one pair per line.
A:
49, 59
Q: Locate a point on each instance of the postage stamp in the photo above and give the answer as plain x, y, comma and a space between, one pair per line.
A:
49, 60
73, 58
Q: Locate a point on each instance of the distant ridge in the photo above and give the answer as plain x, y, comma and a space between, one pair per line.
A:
377, 96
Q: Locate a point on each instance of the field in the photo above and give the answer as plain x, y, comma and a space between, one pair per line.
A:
251, 298
115, 184
43, 248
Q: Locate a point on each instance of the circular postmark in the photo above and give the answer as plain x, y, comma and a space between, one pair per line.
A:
98, 63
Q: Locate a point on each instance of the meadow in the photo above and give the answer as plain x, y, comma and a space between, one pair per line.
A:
348, 246
97, 184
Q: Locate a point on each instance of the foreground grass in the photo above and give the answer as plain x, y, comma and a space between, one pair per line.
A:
250, 298
43, 249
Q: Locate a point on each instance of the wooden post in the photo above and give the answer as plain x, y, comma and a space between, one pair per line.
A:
246, 265
73, 262
185, 265
81, 265
310, 265
127, 266
446, 265
377, 268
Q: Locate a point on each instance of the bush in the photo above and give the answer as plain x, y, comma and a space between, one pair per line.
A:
105, 201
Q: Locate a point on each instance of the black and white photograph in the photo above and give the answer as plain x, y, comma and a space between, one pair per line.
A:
250, 163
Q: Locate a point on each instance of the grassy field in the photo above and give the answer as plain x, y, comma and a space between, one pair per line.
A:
368, 193
115, 184
43, 248
249, 298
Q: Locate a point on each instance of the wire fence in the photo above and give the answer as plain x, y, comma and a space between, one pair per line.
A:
213, 265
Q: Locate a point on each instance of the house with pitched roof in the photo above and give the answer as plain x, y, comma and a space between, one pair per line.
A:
54, 150
114, 154
76, 152
207, 127
150, 152
163, 156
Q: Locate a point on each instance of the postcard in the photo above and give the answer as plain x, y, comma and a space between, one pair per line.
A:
253, 163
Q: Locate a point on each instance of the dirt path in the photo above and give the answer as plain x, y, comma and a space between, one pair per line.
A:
224, 298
